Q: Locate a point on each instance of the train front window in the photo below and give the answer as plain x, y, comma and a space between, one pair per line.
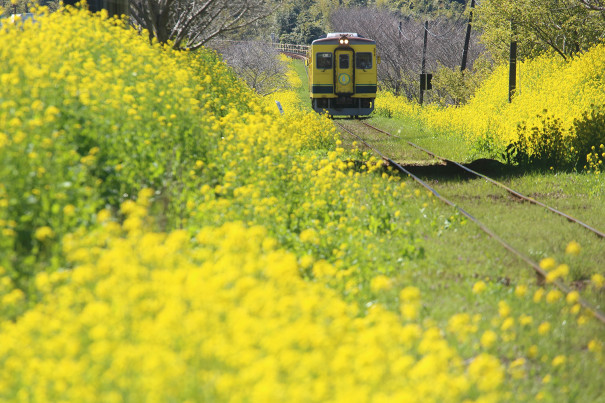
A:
324, 60
363, 60
343, 61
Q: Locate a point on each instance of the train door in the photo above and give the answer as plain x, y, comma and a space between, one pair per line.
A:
344, 71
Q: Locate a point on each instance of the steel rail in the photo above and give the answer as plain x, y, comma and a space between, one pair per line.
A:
499, 184
535, 266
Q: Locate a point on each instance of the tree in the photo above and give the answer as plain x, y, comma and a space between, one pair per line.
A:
192, 23
399, 42
430, 8
306, 29
10, 7
302, 21
256, 63
595, 5
563, 26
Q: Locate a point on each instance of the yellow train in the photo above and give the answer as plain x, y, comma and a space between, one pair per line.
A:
342, 74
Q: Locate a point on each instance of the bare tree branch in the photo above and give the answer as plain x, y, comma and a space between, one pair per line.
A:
256, 63
192, 23
399, 44
595, 5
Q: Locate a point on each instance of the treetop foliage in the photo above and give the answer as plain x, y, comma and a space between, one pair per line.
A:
304, 21
563, 26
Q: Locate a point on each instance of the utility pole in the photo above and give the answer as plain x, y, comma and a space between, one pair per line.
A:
467, 39
423, 72
512, 72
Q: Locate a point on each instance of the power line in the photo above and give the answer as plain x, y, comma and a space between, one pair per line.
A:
401, 32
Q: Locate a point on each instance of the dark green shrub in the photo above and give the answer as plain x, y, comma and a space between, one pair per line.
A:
542, 147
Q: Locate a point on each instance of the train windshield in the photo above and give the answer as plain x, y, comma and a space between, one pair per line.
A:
363, 60
324, 60
343, 61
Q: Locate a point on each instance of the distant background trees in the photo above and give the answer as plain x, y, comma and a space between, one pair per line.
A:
565, 27
399, 41
562, 26
257, 64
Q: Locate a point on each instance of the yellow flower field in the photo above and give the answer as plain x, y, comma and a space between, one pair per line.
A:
167, 235
147, 316
552, 96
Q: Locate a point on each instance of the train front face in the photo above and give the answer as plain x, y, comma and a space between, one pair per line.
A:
342, 76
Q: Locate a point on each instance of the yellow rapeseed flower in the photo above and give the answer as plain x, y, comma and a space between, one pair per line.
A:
44, 233
573, 248
543, 328
409, 311
309, 235
14, 297
525, 320
538, 295
69, 210
572, 297
517, 368
532, 352
547, 263
507, 324
559, 360
553, 296
479, 287
595, 346
380, 283
410, 294
521, 290
597, 280
486, 371
306, 261
488, 338
503, 309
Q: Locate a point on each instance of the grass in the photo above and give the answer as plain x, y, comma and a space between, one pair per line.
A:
456, 258
302, 91
458, 255
452, 148
537, 233
532, 229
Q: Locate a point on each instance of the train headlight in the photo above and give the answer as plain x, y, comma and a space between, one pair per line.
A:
342, 41
346, 41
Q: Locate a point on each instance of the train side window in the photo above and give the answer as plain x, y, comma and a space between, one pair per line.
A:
363, 60
343, 61
324, 60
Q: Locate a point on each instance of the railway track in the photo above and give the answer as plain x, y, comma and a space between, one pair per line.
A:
496, 183
540, 273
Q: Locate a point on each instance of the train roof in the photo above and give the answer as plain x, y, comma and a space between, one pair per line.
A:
334, 37
339, 34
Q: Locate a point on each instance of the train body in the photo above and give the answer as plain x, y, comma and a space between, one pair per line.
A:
342, 74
